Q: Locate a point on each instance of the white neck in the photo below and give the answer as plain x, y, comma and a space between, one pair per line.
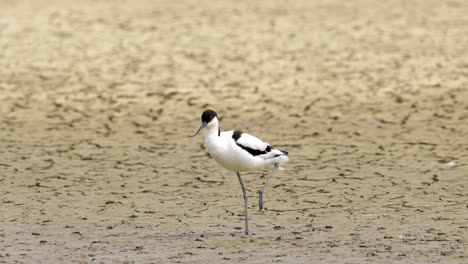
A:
212, 131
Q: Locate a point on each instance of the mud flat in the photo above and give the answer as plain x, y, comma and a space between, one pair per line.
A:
98, 98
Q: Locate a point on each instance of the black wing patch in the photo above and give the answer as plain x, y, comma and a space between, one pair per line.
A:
236, 135
254, 152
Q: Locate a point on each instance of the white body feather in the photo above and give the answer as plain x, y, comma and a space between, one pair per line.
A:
224, 149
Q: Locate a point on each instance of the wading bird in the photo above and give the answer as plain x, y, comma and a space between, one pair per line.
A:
238, 152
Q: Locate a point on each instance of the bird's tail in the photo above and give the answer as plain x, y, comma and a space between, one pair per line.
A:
279, 158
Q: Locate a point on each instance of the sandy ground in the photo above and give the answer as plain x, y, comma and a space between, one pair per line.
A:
98, 98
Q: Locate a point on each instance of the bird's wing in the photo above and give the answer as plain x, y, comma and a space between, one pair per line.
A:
252, 144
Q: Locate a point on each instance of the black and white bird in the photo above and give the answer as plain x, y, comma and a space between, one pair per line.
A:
237, 152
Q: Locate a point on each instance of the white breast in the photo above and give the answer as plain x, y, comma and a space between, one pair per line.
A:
230, 156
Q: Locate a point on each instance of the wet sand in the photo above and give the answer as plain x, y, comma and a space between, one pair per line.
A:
98, 100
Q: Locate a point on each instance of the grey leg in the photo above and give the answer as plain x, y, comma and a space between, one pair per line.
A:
260, 193
245, 204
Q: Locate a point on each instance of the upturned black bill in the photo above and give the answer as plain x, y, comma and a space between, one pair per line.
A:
203, 125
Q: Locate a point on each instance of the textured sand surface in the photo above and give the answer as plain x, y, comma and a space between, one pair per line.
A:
98, 98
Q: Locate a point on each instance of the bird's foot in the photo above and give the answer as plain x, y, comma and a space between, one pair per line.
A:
246, 233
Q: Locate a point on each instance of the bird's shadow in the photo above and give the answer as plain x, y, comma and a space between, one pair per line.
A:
165, 236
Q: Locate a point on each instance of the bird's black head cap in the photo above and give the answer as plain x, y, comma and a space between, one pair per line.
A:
208, 115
